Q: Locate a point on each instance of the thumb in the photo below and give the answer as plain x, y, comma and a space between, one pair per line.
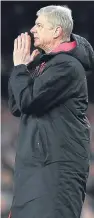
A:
34, 54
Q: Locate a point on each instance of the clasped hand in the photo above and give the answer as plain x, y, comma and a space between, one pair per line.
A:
21, 53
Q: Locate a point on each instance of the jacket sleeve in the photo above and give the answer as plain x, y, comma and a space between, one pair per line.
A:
12, 103
55, 85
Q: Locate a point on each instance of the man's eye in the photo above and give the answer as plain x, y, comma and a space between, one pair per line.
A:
38, 25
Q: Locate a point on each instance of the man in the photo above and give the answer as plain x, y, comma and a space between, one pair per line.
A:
50, 97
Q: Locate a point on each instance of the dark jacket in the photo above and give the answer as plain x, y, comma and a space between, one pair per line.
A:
52, 160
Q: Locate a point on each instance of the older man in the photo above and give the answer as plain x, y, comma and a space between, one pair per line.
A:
50, 97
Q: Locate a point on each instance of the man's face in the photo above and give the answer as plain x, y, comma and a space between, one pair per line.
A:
43, 32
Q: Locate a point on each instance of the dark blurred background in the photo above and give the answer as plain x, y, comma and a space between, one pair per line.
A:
18, 17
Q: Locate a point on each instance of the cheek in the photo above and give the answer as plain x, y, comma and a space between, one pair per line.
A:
44, 35
43, 38
48, 38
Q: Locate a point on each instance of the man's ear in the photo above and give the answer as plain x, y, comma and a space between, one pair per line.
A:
57, 32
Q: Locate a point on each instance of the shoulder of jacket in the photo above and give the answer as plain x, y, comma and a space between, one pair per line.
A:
64, 58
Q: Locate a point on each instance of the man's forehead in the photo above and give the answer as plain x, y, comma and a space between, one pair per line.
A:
41, 19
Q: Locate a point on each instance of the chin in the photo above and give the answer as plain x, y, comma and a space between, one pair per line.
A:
36, 43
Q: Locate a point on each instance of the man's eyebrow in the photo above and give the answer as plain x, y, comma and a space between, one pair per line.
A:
36, 22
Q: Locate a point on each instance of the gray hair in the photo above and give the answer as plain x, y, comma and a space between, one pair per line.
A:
58, 16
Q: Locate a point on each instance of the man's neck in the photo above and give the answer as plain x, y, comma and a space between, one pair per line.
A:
53, 46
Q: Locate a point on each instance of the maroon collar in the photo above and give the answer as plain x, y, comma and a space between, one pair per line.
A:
66, 46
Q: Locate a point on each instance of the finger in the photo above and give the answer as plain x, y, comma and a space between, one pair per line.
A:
34, 54
9, 215
23, 41
15, 44
27, 42
19, 42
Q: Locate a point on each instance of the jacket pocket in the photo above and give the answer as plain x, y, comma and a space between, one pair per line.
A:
32, 189
42, 182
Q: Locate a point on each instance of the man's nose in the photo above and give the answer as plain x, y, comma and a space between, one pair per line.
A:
33, 30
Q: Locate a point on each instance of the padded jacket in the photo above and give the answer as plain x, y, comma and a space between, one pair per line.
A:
52, 159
